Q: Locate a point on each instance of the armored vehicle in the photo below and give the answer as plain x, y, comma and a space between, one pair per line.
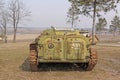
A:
86, 33
62, 46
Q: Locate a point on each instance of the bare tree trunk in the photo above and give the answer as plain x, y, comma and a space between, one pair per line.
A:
72, 22
1, 30
93, 26
15, 30
14, 37
73, 19
5, 34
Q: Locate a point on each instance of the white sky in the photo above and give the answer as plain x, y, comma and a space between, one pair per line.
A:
47, 13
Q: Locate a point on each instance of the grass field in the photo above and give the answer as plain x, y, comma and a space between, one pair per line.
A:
14, 65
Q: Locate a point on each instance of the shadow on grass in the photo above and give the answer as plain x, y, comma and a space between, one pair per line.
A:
25, 65
46, 67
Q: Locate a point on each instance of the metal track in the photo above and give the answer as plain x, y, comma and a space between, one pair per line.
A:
33, 58
92, 62
93, 59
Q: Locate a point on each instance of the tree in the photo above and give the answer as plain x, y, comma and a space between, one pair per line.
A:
94, 7
17, 13
1, 6
101, 24
1, 29
3, 23
73, 13
115, 25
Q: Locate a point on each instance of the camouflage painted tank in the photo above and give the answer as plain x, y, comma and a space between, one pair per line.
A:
62, 46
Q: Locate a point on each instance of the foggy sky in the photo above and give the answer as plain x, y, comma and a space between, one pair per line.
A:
47, 13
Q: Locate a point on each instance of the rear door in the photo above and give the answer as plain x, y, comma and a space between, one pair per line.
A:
58, 49
74, 49
54, 49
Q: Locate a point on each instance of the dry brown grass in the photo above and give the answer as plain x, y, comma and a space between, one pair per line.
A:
108, 38
23, 36
14, 65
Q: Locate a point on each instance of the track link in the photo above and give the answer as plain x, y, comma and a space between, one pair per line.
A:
33, 58
92, 62
93, 59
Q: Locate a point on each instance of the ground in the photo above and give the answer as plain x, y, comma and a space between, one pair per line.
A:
14, 65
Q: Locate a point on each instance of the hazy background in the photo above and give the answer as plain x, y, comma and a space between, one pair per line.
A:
47, 13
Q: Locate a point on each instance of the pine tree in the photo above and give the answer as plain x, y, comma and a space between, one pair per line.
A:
101, 24
115, 25
95, 7
73, 13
